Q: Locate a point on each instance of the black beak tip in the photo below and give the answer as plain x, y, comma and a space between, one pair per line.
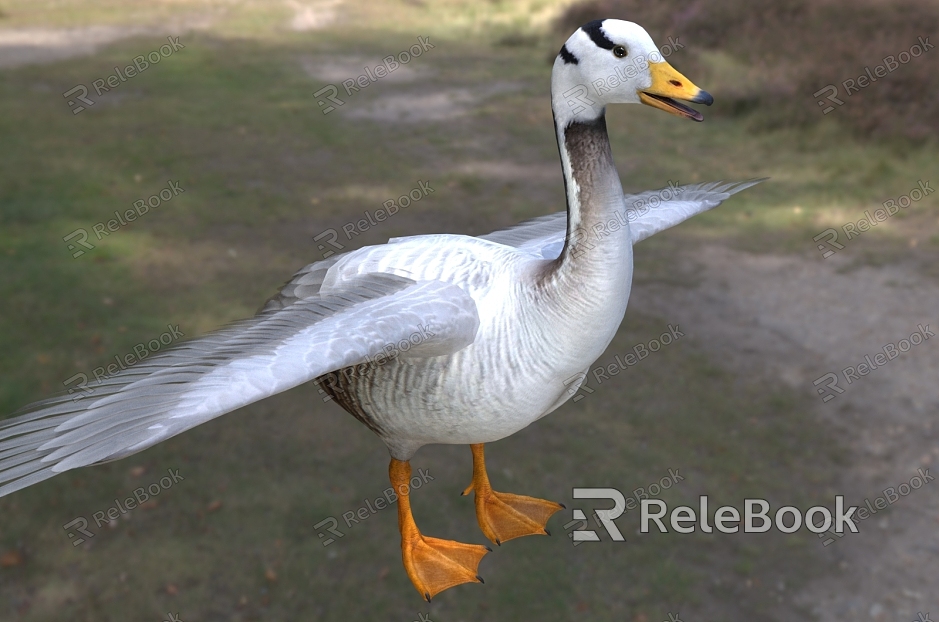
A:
703, 97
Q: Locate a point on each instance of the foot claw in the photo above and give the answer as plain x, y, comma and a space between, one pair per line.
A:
480, 579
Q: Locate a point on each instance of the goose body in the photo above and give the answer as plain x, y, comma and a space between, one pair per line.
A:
528, 343
425, 339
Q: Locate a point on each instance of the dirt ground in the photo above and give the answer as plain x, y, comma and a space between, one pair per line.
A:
30, 46
795, 320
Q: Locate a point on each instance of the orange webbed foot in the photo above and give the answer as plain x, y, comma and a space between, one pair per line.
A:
435, 565
504, 516
432, 564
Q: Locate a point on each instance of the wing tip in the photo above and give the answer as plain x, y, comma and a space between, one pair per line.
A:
739, 186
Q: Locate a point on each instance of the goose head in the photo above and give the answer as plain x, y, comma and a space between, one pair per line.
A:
613, 61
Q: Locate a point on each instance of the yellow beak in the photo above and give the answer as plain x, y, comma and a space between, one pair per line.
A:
669, 85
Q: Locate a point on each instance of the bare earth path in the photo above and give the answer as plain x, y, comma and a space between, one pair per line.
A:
795, 320
30, 46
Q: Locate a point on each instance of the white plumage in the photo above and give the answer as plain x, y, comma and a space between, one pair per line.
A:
502, 321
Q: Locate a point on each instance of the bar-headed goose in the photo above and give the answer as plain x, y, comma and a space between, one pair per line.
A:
425, 339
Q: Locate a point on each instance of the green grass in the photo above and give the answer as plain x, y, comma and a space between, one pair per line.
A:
233, 119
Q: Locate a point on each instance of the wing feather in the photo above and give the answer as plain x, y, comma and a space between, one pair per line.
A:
286, 344
544, 236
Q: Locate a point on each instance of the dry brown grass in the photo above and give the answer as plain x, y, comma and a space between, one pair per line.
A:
791, 49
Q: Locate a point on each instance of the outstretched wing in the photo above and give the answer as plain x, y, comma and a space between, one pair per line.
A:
207, 377
690, 201
545, 235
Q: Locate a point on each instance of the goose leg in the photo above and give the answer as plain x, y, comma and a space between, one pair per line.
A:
432, 564
503, 516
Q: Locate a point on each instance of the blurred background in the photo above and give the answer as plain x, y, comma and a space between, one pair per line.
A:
232, 113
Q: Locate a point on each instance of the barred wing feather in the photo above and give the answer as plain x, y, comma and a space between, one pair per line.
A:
204, 378
544, 236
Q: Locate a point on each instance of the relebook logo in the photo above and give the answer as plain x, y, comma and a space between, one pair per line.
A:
756, 517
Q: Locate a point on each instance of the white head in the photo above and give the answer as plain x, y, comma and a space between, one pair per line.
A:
616, 62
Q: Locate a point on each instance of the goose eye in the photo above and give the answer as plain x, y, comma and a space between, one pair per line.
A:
619, 51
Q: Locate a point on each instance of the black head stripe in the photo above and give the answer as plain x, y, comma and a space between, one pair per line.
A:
567, 57
597, 35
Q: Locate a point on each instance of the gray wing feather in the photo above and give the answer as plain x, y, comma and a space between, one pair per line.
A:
305, 283
528, 230
204, 378
545, 235
692, 200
